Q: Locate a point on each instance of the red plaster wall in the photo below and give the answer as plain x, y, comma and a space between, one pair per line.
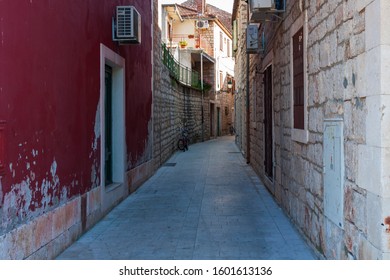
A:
49, 94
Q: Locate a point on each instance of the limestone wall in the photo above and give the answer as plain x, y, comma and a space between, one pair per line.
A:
174, 106
347, 58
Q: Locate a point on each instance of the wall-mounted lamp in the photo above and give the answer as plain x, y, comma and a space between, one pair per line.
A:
230, 84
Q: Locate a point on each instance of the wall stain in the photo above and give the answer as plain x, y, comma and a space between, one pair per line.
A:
94, 154
387, 223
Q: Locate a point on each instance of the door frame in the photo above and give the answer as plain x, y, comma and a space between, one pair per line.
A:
115, 191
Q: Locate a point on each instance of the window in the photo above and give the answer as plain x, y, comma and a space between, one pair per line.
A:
220, 79
169, 32
228, 48
221, 41
298, 80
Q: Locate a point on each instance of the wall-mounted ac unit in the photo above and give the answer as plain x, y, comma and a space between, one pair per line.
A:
202, 24
266, 10
126, 27
262, 4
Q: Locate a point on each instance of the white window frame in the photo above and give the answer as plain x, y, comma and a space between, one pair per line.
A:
299, 135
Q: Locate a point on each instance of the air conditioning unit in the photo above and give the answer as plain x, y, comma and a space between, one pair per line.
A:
266, 10
126, 25
262, 5
202, 24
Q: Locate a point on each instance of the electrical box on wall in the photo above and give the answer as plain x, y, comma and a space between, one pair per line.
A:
333, 160
252, 38
2, 148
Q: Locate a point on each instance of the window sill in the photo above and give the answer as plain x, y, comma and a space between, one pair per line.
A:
112, 187
300, 135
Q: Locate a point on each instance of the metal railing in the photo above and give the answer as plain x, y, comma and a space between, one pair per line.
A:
182, 74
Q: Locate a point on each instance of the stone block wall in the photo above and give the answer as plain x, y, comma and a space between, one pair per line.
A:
240, 77
347, 56
226, 100
174, 105
207, 38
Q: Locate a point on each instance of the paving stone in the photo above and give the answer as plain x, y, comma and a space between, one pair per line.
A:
209, 206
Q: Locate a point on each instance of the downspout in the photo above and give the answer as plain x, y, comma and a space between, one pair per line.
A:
201, 86
248, 150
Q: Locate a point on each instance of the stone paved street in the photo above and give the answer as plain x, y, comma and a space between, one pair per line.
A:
207, 204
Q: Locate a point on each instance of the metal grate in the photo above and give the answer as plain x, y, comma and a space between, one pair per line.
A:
182, 74
169, 164
124, 19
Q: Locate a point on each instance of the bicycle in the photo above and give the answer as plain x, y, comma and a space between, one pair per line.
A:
232, 130
183, 141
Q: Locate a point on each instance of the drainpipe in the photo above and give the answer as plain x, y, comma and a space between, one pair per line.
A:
201, 86
248, 150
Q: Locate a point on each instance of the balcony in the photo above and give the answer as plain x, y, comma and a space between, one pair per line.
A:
184, 75
194, 42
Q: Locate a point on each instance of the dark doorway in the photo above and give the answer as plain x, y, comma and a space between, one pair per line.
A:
212, 120
268, 122
218, 121
108, 126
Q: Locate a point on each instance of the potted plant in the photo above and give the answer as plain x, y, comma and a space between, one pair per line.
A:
183, 43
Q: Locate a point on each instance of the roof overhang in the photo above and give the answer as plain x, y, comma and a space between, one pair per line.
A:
173, 11
196, 56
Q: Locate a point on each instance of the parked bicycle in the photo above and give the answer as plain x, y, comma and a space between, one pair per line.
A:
183, 141
232, 130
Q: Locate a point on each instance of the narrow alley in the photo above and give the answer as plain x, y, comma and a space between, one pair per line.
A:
206, 203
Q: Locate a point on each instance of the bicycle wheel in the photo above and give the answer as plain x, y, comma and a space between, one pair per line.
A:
186, 143
181, 144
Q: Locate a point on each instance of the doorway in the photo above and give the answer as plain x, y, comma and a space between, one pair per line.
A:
112, 104
268, 123
212, 120
108, 126
218, 121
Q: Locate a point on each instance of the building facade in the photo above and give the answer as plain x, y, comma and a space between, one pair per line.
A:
199, 37
313, 118
76, 133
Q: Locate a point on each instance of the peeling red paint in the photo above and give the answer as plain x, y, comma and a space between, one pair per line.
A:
49, 94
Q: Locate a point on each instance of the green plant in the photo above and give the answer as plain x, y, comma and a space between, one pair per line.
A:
183, 43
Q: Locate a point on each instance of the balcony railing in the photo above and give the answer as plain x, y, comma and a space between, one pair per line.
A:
197, 43
182, 74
